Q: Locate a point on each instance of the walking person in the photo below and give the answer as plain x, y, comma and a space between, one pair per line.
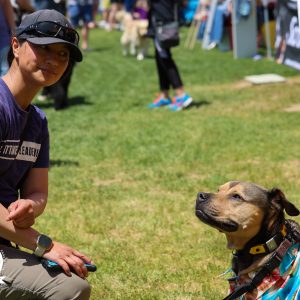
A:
44, 46
163, 11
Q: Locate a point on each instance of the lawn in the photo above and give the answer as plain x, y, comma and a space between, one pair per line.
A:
124, 179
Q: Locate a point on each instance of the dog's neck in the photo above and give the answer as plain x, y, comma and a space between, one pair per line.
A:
245, 262
240, 241
236, 242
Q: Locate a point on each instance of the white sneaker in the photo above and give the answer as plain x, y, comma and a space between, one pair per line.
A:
211, 46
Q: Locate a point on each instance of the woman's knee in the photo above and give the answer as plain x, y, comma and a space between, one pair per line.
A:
72, 288
83, 290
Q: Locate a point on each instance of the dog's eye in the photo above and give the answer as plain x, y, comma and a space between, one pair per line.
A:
237, 196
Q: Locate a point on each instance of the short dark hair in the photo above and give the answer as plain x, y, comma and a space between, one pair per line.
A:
10, 56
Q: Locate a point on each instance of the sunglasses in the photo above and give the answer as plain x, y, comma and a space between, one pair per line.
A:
53, 29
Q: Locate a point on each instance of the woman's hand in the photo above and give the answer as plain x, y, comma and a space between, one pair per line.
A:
21, 213
68, 258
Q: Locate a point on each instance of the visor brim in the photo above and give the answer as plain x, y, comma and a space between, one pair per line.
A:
75, 53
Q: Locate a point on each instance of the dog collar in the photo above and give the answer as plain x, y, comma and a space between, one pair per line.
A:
271, 245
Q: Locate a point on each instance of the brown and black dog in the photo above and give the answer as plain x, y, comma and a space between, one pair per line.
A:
252, 218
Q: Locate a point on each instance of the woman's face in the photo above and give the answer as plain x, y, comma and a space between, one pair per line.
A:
41, 65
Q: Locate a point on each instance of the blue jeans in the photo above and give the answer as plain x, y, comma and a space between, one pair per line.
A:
217, 27
80, 12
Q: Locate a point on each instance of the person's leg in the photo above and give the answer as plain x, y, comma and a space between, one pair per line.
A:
218, 25
60, 95
95, 6
163, 78
84, 33
24, 277
163, 98
59, 90
66, 79
74, 13
112, 14
168, 65
86, 14
167, 68
115, 6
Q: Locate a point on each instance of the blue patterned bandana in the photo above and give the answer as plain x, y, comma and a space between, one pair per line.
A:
282, 284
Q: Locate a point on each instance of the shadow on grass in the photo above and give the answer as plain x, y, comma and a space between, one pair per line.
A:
92, 49
198, 104
194, 104
77, 100
97, 49
60, 163
149, 56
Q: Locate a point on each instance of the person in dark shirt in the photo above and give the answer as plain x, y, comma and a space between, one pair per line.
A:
165, 11
39, 55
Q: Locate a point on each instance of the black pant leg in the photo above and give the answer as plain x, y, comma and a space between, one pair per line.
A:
168, 72
164, 83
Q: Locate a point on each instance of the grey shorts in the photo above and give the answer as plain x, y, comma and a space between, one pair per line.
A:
22, 276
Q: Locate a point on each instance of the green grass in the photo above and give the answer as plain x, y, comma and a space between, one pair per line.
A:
124, 179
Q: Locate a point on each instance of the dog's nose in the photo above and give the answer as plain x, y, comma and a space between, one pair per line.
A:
203, 196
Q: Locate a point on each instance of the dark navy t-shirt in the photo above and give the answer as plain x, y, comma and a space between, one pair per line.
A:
24, 144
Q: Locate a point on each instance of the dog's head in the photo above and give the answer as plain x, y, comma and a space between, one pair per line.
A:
239, 209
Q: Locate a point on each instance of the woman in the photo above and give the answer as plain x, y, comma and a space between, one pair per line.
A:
164, 11
44, 45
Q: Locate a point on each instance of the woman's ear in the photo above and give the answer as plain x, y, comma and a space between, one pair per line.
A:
15, 46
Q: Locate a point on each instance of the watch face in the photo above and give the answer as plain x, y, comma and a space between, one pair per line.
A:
44, 241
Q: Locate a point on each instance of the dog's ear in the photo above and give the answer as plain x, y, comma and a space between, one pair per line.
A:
279, 200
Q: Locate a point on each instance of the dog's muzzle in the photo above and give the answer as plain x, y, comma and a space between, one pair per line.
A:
209, 216
201, 200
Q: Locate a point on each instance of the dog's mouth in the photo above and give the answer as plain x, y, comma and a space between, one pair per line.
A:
225, 226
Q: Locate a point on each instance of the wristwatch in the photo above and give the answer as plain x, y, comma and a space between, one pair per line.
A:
43, 244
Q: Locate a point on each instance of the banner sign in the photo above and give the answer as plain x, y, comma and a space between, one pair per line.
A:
287, 42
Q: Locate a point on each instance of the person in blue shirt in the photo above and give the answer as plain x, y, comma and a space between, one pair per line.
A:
44, 46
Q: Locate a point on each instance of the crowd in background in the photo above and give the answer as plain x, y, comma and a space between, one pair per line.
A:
129, 16
123, 14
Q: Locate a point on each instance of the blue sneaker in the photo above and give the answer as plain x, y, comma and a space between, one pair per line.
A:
181, 102
159, 102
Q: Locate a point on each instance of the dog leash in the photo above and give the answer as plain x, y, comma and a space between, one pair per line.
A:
274, 262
